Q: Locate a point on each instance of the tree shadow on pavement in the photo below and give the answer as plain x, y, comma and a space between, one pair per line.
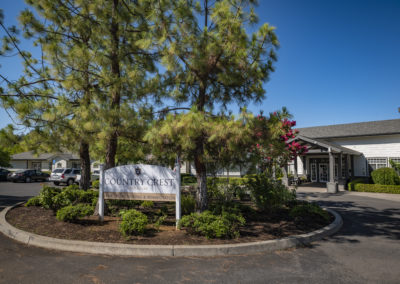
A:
364, 221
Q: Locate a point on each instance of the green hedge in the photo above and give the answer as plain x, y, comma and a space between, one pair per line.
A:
352, 183
386, 176
380, 188
232, 180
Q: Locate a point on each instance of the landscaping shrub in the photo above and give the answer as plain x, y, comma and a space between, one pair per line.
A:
225, 180
188, 179
188, 204
352, 183
74, 212
66, 197
239, 191
96, 184
147, 204
379, 188
123, 203
207, 224
159, 221
395, 166
133, 222
89, 196
308, 211
72, 195
72, 187
220, 191
162, 211
269, 195
34, 201
46, 196
385, 176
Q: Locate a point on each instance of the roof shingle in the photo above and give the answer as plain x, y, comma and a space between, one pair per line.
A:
371, 128
44, 156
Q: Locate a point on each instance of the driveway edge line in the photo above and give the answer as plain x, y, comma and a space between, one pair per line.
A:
116, 249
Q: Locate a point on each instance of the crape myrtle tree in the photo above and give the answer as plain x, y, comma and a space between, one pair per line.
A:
212, 61
273, 145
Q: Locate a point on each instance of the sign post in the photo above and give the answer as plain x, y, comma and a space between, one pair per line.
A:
178, 191
101, 193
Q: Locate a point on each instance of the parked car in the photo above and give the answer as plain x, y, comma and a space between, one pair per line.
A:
67, 176
94, 176
28, 176
3, 174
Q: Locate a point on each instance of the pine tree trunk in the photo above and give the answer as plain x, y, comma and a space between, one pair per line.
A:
85, 165
111, 151
115, 95
201, 170
201, 193
201, 174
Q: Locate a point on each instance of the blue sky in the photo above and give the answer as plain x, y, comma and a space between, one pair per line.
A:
339, 60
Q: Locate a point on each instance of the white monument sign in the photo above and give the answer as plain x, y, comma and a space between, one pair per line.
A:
140, 182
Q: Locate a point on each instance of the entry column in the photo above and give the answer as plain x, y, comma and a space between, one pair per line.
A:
341, 180
285, 179
331, 186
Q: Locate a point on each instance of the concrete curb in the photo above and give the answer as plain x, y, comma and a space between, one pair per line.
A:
115, 249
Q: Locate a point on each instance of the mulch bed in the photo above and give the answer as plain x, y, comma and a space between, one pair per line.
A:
260, 227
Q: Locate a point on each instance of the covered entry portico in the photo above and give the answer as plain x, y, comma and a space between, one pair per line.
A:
325, 162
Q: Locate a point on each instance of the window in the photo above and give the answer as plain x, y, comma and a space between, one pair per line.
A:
376, 163
396, 160
95, 166
37, 165
76, 165
59, 165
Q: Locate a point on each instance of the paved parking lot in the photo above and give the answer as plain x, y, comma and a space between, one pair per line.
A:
365, 250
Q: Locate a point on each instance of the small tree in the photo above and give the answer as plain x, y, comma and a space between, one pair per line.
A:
4, 158
273, 141
211, 61
225, 140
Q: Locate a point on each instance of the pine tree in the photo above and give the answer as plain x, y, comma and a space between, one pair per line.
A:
212, 61
93, 78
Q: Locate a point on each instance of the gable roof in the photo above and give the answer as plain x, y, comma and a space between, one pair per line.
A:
314, 144
371, 128
44, 156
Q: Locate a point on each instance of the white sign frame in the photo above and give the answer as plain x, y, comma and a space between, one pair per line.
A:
124, 187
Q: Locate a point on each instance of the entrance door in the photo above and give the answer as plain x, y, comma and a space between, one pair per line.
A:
313, 172
323, 172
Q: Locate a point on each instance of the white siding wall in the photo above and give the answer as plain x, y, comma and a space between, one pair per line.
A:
360, 166
383, 146
300, 170
373, 146
61, 161
45, 166
18, 165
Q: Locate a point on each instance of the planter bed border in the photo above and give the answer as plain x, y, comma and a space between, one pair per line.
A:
116, 249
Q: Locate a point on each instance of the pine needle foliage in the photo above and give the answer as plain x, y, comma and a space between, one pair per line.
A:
211, 61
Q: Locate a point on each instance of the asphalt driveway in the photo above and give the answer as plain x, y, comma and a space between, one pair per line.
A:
365, 250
